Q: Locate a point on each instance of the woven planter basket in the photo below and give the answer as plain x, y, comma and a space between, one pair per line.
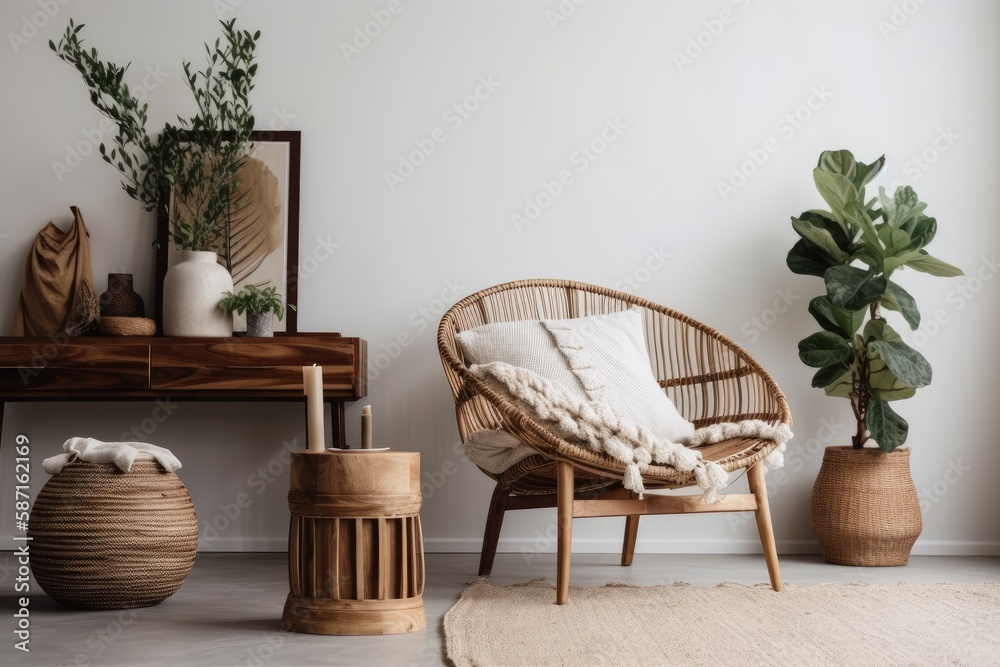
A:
105, 539
127, 326
865, 509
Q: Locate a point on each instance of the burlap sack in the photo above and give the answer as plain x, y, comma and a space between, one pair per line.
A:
58, 295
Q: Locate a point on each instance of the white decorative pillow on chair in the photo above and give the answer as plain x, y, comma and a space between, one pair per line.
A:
598, 358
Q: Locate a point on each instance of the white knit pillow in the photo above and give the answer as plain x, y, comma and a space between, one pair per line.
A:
598, 358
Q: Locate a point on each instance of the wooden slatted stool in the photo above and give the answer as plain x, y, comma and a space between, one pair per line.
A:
355, 549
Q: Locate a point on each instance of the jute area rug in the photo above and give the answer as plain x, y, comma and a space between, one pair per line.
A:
728, 625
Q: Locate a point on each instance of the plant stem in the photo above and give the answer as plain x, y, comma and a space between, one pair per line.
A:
861, 389
227, 244
860, 395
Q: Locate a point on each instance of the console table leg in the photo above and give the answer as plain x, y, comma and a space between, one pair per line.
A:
337, 423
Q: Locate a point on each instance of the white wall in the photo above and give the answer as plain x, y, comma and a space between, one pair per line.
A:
926, 88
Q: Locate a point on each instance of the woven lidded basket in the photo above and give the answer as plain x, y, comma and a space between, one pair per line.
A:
106, 539
865, 509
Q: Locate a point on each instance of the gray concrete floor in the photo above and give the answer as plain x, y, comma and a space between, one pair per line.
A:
228, 610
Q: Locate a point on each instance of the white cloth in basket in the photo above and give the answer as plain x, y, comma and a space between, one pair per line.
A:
122, 454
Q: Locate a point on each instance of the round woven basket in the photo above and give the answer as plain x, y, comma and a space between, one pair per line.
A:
127, 326
865, 509
105, 539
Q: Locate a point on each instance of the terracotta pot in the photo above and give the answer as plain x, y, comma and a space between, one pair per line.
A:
865, 509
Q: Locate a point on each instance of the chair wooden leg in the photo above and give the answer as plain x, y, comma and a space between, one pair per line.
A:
631, 532
758, 487
564, 477
494, 522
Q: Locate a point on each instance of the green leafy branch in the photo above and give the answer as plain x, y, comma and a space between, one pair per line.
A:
198, 160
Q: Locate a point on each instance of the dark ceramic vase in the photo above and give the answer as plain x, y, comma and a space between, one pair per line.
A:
121, 300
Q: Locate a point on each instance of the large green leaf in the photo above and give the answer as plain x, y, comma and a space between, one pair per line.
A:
899, 259
843, 162
902, 208
880, 330
825, 220
834, 318
872, 259
888, 302
806, 259
838, 162
864, 173
825, 348
902, 393
934, 266
905, 363
880, 378
841, 387
889, 387
836, 189
809, 228
894, 240
858, 217
853, 288
907, 305
921, 230
887, 428
830, 375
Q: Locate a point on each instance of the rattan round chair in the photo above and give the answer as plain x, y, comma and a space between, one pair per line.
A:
708, 377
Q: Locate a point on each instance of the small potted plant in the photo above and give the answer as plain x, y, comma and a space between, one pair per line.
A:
865, 509
259, 303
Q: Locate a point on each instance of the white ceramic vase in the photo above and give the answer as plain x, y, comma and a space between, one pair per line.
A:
192, 290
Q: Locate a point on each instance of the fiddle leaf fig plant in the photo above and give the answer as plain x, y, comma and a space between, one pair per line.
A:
857, 245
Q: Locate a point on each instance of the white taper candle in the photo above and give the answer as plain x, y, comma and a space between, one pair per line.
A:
312, 385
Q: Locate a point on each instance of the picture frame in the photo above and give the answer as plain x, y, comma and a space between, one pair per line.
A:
275, 158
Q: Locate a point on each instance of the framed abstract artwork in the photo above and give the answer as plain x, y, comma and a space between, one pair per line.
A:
263, 224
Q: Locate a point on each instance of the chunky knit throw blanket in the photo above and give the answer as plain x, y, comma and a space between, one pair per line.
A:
594, 425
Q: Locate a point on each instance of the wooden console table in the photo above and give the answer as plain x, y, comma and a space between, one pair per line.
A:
95, 368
